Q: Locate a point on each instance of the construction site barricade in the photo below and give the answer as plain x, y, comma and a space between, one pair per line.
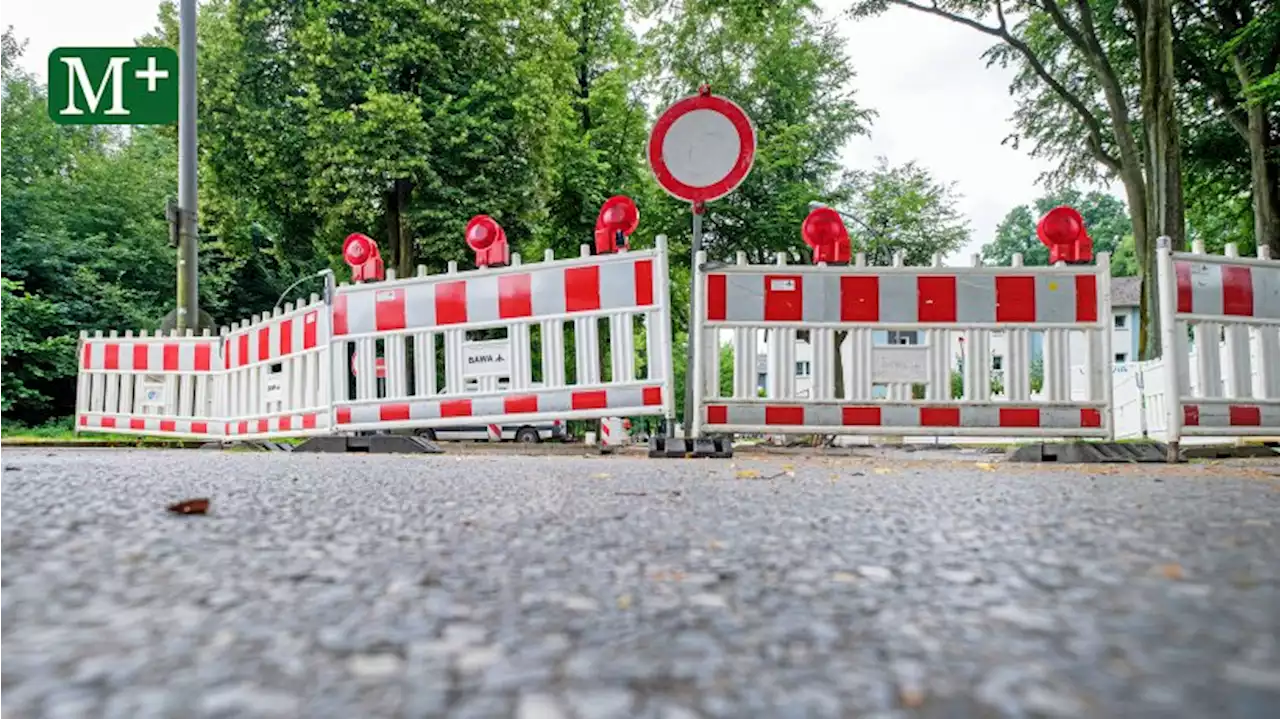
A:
275, 377
155, 384
1220, 336
854, 320
579, 338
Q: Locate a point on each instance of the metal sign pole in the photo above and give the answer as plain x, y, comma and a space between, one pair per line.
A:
691, 371
188, 312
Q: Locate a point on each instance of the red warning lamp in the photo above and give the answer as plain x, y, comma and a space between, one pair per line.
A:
824, 231
1062, 231
486, 237
361, 253
618, 219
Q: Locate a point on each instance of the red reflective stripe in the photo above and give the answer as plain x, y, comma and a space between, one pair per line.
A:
339, 316
242, 349
717, 413
393, 413
520, 404
140, 355
1090, 418
107, 422
111, 356
204, 358
451, 303
582, 289
936, 299
859, 299
286, 337
1191, 415
264, 425
344, 415
515, 297
137, 424
652, 396
264, 343
88, 352
309, 322
1237, 291
388, 310
168, 425
940, 416
1244, 416
644, 283
1016, 300
1087, 298
200, 427
455, 408
784, 415
84, 420
286, 423
1019, 416
309, 421
715, 297
594, 399
170, 357
1182, 270
860, 416
783, 298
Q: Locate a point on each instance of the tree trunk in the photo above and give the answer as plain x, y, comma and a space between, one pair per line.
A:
1264, 171
1164, 163
399, 243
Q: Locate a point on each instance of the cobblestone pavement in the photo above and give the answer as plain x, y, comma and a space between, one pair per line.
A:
547, 587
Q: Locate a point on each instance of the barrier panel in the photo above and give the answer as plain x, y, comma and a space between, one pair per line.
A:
149, 384
275, 376
1230, 307
492, 346
901, 389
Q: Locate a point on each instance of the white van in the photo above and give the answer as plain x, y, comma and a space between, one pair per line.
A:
531, 433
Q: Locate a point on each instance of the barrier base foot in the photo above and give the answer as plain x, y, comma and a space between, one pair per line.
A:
679, 447
1248, 451
1092, 452
257, 445
370, 444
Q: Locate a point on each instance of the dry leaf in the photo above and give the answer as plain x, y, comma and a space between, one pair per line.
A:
191, 506
747, 474
1171, 571
986, 466
671, 576
788, 467
843, 577
600, 475
624, 602
911, 698
883, 470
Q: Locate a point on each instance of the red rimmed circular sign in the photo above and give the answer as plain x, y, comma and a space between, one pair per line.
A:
702, 148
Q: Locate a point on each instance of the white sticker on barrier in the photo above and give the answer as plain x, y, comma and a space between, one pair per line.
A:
900, 363
782, 285
274, 387
491, 358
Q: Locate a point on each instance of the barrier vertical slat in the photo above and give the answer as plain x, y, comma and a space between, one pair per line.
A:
453, 361
1207, 348
977, 365
938, 387
1267, 342
861, 345
661, 330
1167, 292
744, 362
1238, 377
82, 379
113, 384
697, 328
1101, 386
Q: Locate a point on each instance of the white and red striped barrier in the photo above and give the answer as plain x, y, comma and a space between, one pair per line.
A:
275, 378
895, 389
1235, 390
148, 384
489, 346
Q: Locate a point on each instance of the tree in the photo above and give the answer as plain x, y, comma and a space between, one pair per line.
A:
1096, 89
1105, 219
903, 209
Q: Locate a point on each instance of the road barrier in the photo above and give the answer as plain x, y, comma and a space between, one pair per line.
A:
840, 310
1229, 308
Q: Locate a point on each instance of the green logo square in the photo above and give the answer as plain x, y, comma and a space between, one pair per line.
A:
113, 86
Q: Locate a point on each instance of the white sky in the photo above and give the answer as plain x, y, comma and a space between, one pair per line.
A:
938, 103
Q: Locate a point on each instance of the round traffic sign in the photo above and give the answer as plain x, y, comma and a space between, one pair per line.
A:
701, 148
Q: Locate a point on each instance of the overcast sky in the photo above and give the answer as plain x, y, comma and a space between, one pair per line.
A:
938, 103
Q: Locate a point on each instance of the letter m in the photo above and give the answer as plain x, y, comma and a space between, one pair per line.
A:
78, 77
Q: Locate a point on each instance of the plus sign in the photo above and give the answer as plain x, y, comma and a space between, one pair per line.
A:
151, 74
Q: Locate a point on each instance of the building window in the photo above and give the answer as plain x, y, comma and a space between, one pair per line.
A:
803, 369
1121, 321
903, 337
997, 363
1121, 358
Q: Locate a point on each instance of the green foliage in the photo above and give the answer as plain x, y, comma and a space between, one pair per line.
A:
903, 209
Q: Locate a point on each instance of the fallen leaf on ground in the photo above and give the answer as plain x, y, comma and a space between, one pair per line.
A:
191, 506
747, 474
1171, 571
911, 698
986, 466
843, 577
624, 602
663, 576
600, 475
883, 470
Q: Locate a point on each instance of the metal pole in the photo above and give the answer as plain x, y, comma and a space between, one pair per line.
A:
691, 372
188, 314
